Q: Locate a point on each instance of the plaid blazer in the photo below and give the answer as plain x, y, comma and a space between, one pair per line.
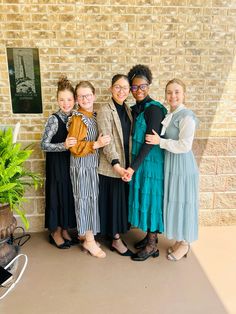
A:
109, 124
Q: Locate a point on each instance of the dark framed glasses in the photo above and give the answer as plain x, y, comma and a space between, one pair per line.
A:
82, 97
118, 88
143, 87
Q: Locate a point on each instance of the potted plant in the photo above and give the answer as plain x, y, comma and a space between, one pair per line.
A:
14, 179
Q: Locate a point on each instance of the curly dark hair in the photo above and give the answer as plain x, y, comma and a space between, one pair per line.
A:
140, 71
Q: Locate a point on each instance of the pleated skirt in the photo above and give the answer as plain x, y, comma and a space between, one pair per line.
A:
113, 205
181, 197
84, 179
146, 195
59, 209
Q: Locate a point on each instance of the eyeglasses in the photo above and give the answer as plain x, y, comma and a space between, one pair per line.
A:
118, 88
143, 87
82, 97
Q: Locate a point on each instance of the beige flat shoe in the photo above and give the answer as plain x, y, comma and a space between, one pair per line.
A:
82, 239
173, 248
176, 256
93, 249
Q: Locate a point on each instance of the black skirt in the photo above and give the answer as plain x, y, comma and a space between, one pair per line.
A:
59, 211
113, 205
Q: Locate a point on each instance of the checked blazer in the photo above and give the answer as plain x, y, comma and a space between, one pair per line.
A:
109, 124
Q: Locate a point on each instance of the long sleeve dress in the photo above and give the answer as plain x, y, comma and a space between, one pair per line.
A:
181, 176
59, 209
146, 186
83, 171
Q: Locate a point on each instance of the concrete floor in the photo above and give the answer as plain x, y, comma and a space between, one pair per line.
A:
71, 281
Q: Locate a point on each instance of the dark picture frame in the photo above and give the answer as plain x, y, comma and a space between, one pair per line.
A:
25, 82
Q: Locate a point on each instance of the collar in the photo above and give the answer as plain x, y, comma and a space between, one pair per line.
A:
144, 101
86, 113
180, 107
63, 114
168, 118
116, 103
139, 106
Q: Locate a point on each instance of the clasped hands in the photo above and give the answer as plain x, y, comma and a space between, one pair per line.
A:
125, 174
128, 173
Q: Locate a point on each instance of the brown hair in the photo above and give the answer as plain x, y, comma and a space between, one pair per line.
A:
85, 84
177, 81
64, 84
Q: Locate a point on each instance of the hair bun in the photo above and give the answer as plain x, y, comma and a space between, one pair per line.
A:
64, 84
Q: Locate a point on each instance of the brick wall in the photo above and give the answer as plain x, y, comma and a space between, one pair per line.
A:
94, 39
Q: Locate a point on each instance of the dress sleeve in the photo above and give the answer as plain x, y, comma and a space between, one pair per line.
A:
186, 134
153, 117
78, 130
51, 128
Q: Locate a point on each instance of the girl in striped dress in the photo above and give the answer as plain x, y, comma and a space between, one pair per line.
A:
83, 166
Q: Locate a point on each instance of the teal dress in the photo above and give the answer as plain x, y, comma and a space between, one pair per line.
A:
146, 187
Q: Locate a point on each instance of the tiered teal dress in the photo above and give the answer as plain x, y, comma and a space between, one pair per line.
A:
146, 187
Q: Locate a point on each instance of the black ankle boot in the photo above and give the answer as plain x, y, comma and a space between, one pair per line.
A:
143, 255
149, 250
141, 244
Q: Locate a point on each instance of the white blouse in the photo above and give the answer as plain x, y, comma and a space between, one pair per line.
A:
186, 134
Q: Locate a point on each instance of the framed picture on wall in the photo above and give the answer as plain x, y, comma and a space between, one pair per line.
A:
25, 83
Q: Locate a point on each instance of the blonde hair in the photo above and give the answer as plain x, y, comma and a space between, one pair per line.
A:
85, 84
177, 81
64, 84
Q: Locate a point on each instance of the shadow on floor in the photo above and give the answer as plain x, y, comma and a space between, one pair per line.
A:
72, 281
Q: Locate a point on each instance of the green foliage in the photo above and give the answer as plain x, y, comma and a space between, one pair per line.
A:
14, 176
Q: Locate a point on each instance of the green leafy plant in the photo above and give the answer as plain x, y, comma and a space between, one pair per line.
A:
14, 176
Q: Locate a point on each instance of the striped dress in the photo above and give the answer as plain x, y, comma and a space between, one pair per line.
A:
84, 178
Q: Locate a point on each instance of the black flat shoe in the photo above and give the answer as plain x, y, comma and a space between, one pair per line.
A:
60, 246
142, 255
71, 242
141, 244
127, 253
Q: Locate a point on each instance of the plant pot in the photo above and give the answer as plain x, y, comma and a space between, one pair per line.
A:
7, 226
